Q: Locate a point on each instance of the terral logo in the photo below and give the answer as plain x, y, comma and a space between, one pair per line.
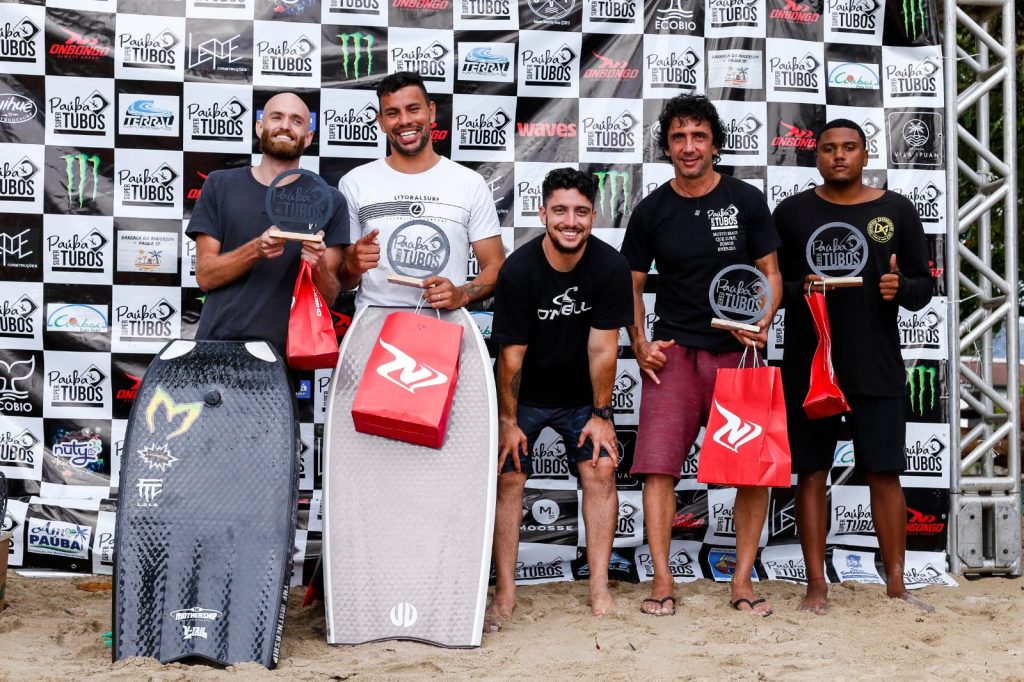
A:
548, 68
673, 70
351, 128
15, 109
149, 51
854, 16
16, 41
17, 180
736, 432
357, 54
406, 373
741, 136
794, 137
797, 74
79, 46
218, 122
144, 116
430, 61
798, 13
482, 61
79, 115
83, 177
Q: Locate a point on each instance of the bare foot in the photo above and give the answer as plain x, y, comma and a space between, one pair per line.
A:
500, 610
816, 599
601, 602
914, 601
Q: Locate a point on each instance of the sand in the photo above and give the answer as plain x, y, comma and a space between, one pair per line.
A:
51, 630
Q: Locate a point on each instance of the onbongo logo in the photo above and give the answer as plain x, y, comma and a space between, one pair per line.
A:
881, 229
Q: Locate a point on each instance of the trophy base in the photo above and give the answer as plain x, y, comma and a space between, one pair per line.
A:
729, 325
295, 236
406, 280
840, 282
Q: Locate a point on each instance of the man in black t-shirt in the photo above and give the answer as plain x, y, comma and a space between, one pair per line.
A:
865, 350
693, 226
558, 306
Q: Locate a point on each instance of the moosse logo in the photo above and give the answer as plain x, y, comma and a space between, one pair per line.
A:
77, 254
927, 200
16, 317
15, 109
542, 569
624, 393
16, 41
551, 10
797, 74
795, 12
854, 16
146, 323
920, 79
18, 449
356, 54
58, 538
352, 128
612, 133
529, 198
79, 115
541, 129
484, 132
780, 192
354, 7
612, 192
919, 523
148, 187
925, 458
430, 61
673, 70
922, 329
406, 372
674, 17
733, 13
612, 11
486, 9
221, 122
922, 388
736, 432
76, 389
143, 115
482, 61
794, 137
216, 54
149, 51
741, 136
853, 520
79, 46
550, 67
83, 177
287, 58
17, 180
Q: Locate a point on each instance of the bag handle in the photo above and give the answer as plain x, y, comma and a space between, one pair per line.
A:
757, 357
419, 307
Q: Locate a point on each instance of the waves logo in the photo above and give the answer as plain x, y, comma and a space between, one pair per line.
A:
854, 16
741, 136
58, 538
83, 177
919, 79
357, 51
485, 9
431, 62
919, 523
923, 329
145, 322
796, 74
82, 449
79, 115
794, 137
17, 317
79, 46
287, 58
674, 17
77, 389
150, 51
548, 68
352, 128
484, 132
15, 109
78, 254
144, 116
148, 187
612, 11
674, 70
927, 200
17, 41
927, 457
616, 134
18, 450
354, 7
220, 122
795, 12
733, 13
17, 180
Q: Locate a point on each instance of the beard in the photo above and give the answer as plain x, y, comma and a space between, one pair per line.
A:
282, 151
561, 248
399, 148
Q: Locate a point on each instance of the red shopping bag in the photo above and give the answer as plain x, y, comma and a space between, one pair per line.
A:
824, 397
312, 343
745, 441
407, 386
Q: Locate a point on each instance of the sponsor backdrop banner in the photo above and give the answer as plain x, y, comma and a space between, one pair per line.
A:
113, 113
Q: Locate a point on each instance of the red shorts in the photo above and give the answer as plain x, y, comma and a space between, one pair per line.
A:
673, 412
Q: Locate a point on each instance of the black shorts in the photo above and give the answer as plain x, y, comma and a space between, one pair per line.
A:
567, 422
877, 424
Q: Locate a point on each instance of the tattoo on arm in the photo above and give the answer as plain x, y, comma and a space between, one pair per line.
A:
514, 384
473, 291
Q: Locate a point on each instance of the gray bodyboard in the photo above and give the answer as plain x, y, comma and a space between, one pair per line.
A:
407, 528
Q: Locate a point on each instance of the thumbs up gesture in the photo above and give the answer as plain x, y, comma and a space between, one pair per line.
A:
889, 285
364, 254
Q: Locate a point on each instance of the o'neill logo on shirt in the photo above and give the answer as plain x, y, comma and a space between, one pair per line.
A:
674, 70
797, 74
287, 58
565, 305
17, 41
741, 136
550, 67
406, 373
429, 61
485, 132
149, 51
854, 16
78, 253
77, 389
18, 450
733, 13
79, 115
736, 432
17, 180
612, 133
220, 122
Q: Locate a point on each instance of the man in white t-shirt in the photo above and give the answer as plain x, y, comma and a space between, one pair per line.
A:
416, 213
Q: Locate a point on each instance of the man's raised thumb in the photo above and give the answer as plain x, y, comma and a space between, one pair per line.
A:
370, 236
892, 264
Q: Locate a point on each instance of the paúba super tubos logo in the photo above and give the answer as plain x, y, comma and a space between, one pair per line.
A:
485, 9
79, 46
796, 12
674, 17
149, 51
626, 524
790, 569
780, 192
927, 200
925, 458
723, 516
919, 523
550, 67
484, 132
76, 389
77, 253
146, 322
611, 133
794, 137
921, 329
529, 198
16, 41
854, 16
430, 61
18, 449
148, 187
352, 128
741, 136
418, 248
853, 520
796, 74
871, 131
287, 58
920, 79
548, 458
15, 109
17, 180
624, 393
541, 569
673, 70
733, 13
612, 11
16, 317
82, 449
79, 115
353, 7
221, 122
680, 564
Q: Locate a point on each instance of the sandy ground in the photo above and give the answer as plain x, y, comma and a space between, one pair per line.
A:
51, 630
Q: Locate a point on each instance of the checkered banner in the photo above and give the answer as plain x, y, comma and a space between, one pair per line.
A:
113, 112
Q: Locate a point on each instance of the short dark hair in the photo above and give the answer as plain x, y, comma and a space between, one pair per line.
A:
568, 178
401, 79
696, 108
844, 123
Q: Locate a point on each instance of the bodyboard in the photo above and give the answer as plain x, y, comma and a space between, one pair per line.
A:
208, 504
407, 528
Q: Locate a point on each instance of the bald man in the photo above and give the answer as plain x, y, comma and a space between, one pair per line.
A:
248, 275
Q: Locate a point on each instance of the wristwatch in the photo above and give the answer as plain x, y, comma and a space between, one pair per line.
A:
602, 412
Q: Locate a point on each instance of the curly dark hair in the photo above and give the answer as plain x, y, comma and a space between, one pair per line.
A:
398, 80
695, 108
568, 178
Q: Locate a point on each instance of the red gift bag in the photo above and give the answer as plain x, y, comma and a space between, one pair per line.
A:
407, 387
312, 343
745, 441
824, 397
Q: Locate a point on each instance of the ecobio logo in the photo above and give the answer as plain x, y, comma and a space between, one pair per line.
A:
674, 17
17, 42
430, 61
222, 122
79, 115
150, 51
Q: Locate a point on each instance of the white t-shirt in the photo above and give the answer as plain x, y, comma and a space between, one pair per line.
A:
427, 222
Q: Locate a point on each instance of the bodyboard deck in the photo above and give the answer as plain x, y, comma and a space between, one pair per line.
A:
407, 528
208, 503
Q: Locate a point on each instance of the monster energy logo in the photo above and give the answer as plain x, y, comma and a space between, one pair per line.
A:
85, 161
912, 10
612, 192
918, 379
359, 41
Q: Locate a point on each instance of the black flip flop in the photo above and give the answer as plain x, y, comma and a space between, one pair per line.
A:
661, 604
751, 604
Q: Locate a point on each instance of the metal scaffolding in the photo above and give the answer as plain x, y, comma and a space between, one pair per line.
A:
985, 511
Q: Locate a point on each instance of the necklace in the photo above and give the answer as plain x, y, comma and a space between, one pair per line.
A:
697, 195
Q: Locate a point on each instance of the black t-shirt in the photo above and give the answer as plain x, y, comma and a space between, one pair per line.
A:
690, 241
552, 313
865, 337
256, 305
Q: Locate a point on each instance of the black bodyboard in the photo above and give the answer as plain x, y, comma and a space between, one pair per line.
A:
208, 504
